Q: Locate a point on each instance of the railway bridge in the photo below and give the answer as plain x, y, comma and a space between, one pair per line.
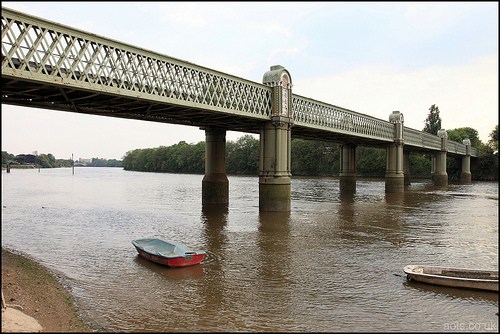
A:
53, 66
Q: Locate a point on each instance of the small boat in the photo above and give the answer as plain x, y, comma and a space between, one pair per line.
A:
171, 254
454, 277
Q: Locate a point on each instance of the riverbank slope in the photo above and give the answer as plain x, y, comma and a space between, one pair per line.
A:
41, 296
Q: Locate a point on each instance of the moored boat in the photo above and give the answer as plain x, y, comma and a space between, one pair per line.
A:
454, 277
172, 254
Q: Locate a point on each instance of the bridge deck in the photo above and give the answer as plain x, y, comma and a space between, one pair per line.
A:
52, 66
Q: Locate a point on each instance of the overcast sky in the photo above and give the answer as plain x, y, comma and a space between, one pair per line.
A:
372, 58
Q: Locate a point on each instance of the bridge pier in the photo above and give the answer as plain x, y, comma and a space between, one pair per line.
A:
440, 176
275, 177
215, 185
394, 176
466, 176
348, 168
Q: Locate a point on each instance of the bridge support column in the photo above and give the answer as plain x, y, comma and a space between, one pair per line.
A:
275, 177
406, 167
394, 176
466, 176
440, 177
348, 168
215, 185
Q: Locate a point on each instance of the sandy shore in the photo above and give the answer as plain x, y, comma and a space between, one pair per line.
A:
35, 299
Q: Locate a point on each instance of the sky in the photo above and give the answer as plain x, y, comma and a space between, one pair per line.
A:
369, 57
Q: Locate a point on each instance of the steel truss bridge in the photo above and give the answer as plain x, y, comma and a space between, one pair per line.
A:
53, 66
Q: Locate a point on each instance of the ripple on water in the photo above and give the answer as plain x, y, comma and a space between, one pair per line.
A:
334, 263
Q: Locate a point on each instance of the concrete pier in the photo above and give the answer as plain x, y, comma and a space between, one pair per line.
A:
275, 175
348, 168
394, 176
440, 176
215, 185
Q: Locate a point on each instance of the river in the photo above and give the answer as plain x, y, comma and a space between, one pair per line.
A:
333, 263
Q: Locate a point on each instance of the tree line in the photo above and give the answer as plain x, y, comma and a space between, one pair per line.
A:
35, 160
310, 158
49, 161
96, 162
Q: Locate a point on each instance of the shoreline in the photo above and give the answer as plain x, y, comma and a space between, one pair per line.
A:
41, 295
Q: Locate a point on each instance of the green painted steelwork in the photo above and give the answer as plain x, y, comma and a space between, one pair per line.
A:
53, 66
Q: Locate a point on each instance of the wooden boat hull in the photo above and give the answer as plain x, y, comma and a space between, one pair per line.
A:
454, 277
167, 253
172, 262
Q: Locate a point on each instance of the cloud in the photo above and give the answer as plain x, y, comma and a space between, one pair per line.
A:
270, 28
466, 94
428, 15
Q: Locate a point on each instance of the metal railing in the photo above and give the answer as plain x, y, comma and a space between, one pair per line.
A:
44, 52
40, 50
323, 115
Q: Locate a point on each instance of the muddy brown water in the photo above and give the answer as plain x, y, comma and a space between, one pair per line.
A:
334, 263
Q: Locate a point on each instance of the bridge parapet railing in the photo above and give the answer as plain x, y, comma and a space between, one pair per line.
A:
454, 147
314, 113
474, 151
41, 50
421, 139
426, 140
461, 149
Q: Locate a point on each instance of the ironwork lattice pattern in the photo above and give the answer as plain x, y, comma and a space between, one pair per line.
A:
64, 55
165, 89
319, 114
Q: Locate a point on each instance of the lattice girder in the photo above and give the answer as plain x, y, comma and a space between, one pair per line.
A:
49, 65
60, 55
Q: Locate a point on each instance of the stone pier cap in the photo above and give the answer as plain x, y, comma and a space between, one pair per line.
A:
277, 76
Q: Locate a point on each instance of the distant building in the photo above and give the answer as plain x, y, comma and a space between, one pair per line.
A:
84, 161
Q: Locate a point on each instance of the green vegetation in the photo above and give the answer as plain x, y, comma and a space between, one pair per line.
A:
35, 160
433, 120
485, 167
311, 158
96, 162
178, 158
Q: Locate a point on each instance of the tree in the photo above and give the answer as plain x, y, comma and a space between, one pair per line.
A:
460, 134
485, 167
433, 120
493, 142
315, 158
242, 157
370, 161
6, 157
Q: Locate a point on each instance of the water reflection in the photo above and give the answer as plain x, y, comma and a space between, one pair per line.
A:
214, 219
453, 293
327, 265
273, 243
180, 273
